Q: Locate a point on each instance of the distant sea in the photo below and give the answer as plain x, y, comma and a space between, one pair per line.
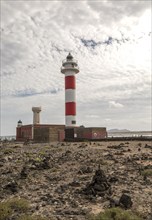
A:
110, 134
10, 137
130, 134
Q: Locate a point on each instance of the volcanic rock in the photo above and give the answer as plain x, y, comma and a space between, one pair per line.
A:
125, 201
58, 192
23, 173
85, 169
148, 146
99, 184
114, 202
12, 187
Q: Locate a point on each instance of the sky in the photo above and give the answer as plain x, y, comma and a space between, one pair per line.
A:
111, 40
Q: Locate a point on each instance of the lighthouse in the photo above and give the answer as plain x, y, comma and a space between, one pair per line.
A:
70, 69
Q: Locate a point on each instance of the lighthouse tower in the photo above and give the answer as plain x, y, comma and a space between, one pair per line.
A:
70, 68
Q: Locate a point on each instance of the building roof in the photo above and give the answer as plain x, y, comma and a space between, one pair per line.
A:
42, 125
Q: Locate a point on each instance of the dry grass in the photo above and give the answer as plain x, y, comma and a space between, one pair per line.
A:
115, 214
10, 207
146, 172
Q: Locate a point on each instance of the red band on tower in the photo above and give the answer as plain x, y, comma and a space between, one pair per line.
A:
70, 108
70, 82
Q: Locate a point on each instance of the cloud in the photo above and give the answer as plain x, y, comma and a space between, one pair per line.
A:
92, 116
25, 93
111, 43
114, 104
32, 92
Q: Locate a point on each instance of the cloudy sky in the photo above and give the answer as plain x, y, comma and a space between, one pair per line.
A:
111, 41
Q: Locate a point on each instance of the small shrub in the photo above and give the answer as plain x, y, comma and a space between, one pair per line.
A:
41, 153
5, 211
7, 151
19, 161
21, 205
14, 205
29, 217
115, 214
38, 160
146, 173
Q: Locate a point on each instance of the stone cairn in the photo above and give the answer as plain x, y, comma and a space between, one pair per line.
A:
99, 184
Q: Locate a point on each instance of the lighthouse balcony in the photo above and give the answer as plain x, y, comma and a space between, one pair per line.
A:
66, 61
69, 68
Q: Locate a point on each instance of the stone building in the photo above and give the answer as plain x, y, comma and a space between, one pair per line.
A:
40, 132
84, 133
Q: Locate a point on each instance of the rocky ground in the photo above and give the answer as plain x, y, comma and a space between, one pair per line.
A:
71, 180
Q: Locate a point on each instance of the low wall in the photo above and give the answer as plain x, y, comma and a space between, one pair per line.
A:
110, 139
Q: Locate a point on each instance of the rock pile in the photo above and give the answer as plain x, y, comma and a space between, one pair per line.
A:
99, 184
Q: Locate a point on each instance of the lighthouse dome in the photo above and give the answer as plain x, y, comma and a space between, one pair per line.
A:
69, 57
19, 124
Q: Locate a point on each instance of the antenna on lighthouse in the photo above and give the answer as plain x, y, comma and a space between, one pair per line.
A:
70, 68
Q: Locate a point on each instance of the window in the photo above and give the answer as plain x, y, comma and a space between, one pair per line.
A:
73, 122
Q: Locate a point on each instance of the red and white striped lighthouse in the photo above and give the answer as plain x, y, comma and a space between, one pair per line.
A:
70, 68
